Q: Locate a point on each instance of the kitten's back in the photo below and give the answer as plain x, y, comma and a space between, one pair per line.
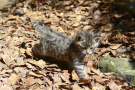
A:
53, 41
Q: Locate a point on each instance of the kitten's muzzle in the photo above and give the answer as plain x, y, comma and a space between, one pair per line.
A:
89, 51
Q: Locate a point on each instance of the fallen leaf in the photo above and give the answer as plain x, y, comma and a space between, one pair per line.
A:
76, 24
98, 79
48, 81
56, 78
2, 43
39, 63
113, 52
84, 80
30, 66
115, 46
79, 17
86, 28
13, 78
97, 72
97, 14
22, 50
95, 88
112, 85
108, 74
35, 75
48, 88
21, 71
77, 87
65, 76
74, 75
7, 59
63, 85
6, 71
104, 50
60, 14
30, 81
99, 86
10, 17
29, 52
6, 87
20, 61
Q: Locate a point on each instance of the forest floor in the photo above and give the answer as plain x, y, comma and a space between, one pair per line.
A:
20, 70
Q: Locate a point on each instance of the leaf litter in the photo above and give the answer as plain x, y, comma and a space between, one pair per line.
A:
17, 36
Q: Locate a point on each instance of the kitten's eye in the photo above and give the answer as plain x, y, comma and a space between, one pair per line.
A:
80, 38
84, 47
91, 48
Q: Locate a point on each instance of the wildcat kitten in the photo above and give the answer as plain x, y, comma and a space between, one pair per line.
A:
64, 47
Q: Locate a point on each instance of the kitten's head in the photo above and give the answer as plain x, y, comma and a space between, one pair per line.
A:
87, 41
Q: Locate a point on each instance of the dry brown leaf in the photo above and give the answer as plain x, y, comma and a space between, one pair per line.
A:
108, 27
10, 17
20, 61
36, 75
5, 81
56, 78
86, 87
64, 85
108, 74
79, 17
29, 52
31, 81
13, 78
97, 14
76, 24
113, 52
100, 87
48, 81
30, 66
98, 79
71, 15
104, 50
61, 29
95, 88
84, 80
6, 71
6, 87
113, 86
2, 43
74, 75
39, 63
97, 72
22, 50
60, 14
7, 59
115, 46
77, 87
65, 76
21, 71
86, 27
49, 88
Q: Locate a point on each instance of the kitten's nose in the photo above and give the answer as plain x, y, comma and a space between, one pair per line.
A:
89, 51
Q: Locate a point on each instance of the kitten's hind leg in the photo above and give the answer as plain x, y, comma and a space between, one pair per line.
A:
37, 50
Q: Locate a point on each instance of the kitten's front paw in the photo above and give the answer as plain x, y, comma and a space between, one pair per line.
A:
83, 74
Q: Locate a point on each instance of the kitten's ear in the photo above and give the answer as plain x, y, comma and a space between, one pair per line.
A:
80, 38
97, 38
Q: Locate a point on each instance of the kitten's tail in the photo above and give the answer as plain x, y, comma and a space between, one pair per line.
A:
37, 25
